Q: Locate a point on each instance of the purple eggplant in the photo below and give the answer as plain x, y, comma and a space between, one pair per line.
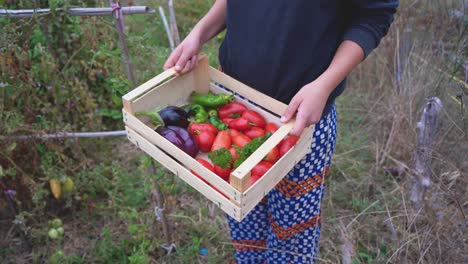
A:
168, 116
181, 138
174, 116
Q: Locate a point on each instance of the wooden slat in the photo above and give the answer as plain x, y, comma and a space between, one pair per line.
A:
266, 183
140, 90
172, 92
128, 106
224, 203
153, 137
259, 98
201, 79
241, 176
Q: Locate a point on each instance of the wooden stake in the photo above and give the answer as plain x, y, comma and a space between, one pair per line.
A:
172, 18
120, 30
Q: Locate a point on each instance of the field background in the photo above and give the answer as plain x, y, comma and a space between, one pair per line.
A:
60, 73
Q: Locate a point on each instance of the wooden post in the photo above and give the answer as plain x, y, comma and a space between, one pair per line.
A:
422, 176
119, 26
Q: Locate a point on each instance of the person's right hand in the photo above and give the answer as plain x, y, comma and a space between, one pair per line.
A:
185, 56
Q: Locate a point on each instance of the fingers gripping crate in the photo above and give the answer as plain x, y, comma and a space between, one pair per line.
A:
165, 89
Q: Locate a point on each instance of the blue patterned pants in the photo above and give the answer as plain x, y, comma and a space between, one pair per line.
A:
285, 227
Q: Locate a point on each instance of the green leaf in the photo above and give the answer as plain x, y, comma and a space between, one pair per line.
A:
221, 157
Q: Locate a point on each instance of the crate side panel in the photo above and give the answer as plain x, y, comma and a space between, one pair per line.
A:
179, 170
142, 89
173, 92
201, 76
266, 183
243, 170
153, 137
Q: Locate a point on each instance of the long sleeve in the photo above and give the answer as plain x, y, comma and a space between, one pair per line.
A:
370, 22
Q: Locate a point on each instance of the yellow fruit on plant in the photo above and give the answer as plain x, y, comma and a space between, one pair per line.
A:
68, 185
55, 188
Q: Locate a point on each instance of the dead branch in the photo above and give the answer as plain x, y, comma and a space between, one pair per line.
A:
422, 178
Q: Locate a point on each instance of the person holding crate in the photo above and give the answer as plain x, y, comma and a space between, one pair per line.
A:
300, 53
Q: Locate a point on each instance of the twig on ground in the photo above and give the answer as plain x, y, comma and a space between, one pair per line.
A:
160, 210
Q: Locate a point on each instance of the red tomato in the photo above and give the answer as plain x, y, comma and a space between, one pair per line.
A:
206, 164
222, 140
259, 170
240, 140
204, 139
286, 144
271, 127
273, 155
223, 173
193, 127
234, 154
254, 132
255, 119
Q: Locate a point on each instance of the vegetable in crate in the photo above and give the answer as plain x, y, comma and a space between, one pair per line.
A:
259, 170
286, 144
255, 132
230, 109
273, 155
204, 139
214, 120
222, 140
201, 115
240, 140
168, 116
249, 149
240, 123
181, 138
202, 127
271, 127
254, 118
211, 99
222, 161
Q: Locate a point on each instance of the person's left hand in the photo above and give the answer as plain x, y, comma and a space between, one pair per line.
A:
308, 105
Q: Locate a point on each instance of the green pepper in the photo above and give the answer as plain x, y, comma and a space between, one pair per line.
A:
215, 121
211, 99
201, 116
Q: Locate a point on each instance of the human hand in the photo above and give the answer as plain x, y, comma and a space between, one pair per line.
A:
185, 56
308, 105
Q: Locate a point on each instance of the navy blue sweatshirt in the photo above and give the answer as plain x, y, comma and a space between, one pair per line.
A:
278, 46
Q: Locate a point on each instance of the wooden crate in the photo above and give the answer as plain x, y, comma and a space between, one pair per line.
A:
166, 89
